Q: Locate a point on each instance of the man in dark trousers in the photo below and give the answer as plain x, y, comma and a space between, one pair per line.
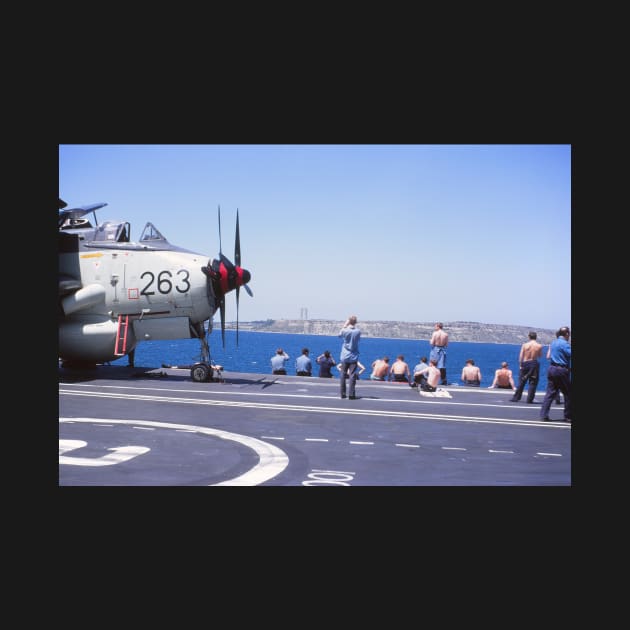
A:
529, 368
559, 374
349, 357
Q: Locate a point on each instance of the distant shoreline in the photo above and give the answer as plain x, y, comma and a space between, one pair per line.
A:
281, 332
468, 332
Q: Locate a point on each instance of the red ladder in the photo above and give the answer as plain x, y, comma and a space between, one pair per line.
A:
121, 336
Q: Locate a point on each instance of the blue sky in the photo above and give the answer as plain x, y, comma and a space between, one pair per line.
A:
416, 233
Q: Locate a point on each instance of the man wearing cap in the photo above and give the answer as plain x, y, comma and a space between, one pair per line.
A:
559, 374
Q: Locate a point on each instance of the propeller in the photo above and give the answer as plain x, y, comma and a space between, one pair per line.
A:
222, 301
245, 275
223, 276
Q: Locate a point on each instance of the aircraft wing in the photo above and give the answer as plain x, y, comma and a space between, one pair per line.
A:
77, 213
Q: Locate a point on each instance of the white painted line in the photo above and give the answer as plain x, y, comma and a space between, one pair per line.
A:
272, 461
408, 445
354, 442
144, 428
231, 392
103, 425
70, 445
185, 430
454, 448
330, 410
551, 454
315, 440
271, 437
492, 451
117, 456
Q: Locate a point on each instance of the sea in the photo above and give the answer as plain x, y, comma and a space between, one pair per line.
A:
255, 349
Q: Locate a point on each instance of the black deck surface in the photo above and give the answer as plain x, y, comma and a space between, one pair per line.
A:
121, 426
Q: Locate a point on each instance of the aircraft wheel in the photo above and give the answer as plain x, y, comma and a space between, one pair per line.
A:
200, 373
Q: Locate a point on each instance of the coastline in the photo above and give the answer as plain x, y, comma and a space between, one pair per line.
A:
468, 332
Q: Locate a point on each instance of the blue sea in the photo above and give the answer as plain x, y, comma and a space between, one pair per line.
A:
255, 350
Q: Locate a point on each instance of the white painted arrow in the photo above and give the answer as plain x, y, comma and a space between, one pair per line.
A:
120, 454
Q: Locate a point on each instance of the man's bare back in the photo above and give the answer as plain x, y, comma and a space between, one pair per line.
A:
530, 351
439, 338
381, 368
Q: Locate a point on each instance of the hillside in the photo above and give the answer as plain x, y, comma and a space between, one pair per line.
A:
458, 331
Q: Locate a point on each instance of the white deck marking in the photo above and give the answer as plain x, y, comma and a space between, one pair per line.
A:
70, 445
357, 442
454, 448
272, 461
120, 454
551, 454
315, 439
228, 392
408, 445
330, 410
493, 451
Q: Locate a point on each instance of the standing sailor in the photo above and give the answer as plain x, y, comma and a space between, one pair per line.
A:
349, 357
439, 341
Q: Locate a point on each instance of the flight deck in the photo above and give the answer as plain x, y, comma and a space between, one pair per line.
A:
120, 426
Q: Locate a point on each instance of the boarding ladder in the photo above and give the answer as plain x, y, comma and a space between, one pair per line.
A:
120, 348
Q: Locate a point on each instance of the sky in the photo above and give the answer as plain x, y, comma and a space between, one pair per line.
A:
415, 233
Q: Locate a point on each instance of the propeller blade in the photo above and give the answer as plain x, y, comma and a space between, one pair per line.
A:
237, 262
220, 250
237, 290
249, 291
222, 310
237, 244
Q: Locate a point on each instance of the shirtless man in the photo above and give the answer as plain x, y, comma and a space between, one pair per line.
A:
531, 351
438, 342
471, 374
503, 378
420, 372
433, 377
399, 371
380, 369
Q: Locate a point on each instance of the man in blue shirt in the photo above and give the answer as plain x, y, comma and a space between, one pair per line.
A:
349, 358
279, 361
559, 374
303, 364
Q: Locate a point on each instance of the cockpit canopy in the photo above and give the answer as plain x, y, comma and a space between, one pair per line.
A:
113, 232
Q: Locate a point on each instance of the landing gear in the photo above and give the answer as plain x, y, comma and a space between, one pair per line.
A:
200, 372
203, 373
204, 370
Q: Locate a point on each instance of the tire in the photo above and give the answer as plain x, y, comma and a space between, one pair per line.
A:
200, 373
